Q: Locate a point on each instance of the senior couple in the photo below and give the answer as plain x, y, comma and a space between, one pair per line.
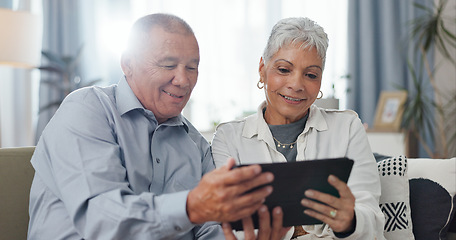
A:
121, 162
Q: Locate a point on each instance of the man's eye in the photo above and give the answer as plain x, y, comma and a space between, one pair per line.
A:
311, 76
169, 67
192, 68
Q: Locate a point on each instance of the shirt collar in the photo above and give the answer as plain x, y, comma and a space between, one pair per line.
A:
127, 101
177, 121
316, 119
256, 125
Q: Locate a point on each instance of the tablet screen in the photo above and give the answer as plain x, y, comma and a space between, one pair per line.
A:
292, 179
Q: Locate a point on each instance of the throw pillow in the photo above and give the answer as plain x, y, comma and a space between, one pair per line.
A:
432, 196
394, 201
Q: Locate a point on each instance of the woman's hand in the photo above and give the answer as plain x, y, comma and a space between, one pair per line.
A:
265, 231
339, 213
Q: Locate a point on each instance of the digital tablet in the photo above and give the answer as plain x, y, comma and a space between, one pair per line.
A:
292, 179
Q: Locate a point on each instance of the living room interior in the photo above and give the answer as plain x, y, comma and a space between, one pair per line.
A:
378, 64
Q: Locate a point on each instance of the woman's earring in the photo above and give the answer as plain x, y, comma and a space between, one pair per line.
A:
258, 84
321, 95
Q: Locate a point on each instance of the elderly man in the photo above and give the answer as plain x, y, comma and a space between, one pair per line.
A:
121, 162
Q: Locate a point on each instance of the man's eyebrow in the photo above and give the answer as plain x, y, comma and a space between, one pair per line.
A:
175, 60
196, 60
167, 59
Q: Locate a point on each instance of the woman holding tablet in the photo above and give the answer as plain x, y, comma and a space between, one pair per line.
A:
288, 128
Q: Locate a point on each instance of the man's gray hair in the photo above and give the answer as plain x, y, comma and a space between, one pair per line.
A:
140, 30
297, 31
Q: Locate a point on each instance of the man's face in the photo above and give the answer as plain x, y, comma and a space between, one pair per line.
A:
164, 73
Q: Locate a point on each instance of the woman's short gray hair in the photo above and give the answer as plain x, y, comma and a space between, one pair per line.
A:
296, 30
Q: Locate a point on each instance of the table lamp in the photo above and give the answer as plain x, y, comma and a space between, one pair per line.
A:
20, 38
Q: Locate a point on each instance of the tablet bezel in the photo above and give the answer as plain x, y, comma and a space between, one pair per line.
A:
299, 177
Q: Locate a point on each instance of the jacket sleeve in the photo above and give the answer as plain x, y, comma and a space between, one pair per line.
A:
364, 183
221, 151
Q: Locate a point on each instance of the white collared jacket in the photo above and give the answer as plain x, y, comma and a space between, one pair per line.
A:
327, 134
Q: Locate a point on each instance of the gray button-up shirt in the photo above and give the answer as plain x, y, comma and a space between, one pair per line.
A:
105, 169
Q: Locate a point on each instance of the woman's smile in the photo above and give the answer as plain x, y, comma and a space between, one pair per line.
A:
292, 99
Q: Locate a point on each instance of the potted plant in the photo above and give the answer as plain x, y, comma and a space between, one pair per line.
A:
67, 80
429, 31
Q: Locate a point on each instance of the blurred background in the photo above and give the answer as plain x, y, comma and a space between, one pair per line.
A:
80, 43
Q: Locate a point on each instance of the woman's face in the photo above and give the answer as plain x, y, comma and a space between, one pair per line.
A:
292, 80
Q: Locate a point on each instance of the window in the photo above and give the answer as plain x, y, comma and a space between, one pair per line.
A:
232, 35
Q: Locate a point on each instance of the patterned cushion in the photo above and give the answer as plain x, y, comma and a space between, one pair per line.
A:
394, 201
432, 196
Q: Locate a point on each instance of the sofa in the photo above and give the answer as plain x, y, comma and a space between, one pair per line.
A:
418, 195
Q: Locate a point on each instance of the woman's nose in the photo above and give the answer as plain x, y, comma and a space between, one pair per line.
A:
296, 82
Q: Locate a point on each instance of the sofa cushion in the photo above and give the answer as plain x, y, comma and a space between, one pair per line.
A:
394, 201
432, 196
16, 174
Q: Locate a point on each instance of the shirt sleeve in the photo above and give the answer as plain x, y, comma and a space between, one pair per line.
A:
78, 159
209, 230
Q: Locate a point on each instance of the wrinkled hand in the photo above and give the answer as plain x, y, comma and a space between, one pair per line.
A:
339, 213
220, 196
265, 231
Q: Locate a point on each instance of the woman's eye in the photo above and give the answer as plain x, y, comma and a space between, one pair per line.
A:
284, 70
311, 76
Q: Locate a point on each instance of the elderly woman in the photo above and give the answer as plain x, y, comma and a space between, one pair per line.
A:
288, 127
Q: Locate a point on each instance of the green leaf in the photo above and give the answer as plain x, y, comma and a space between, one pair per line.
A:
52, 57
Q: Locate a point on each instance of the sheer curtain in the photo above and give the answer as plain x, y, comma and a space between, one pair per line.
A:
65, 30
379, 44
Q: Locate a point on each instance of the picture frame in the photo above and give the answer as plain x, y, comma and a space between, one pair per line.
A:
390, 107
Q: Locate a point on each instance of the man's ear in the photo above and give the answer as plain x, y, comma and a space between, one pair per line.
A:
126, 64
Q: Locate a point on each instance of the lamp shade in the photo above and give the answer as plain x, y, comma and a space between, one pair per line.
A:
20, 38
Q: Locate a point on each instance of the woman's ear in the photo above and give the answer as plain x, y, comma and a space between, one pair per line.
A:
261, 68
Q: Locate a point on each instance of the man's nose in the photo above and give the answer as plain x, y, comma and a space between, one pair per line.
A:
181, 77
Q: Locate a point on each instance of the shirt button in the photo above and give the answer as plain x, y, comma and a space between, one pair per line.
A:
157, 160
177, 228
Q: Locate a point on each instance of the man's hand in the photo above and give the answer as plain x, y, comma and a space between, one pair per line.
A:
221, 194
265, 231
